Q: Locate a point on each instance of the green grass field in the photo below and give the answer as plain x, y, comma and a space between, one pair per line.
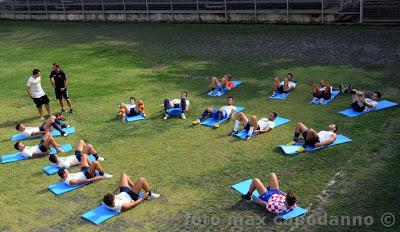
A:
194, 167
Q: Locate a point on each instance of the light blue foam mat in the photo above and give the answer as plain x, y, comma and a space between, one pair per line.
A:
8, 158
243, 188
211, 121
53, 169
135, 118
291, 149
54, 133
334, 94
101, 213
174, 112
280, 96
223, 91
61, 187
381, 105
279, 121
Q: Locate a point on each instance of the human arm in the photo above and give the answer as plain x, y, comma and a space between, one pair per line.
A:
259, 201
28, 90
131, 205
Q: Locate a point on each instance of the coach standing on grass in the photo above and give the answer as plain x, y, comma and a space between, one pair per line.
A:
59, 82
35, 91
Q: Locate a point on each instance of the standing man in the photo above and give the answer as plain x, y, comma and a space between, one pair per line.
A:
35, 91
59, 82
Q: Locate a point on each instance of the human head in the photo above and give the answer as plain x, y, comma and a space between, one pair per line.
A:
19, 146
272, 116
289, 76
229, 101
228, 77
36, 72
184, 95
20, 127
108, 199
376, 95
54, 67
322, 83
53, 158
333, 127
132, 100
291, 199
62, 173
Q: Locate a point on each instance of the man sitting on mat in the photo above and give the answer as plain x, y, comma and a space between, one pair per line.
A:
253, 126
52, 121
225, 111
363, 104
131, 109
324, 92
284, 86
225, 83
312, 137
74, 160
274, 200
182, 103
128, 196
87, 173
40, 150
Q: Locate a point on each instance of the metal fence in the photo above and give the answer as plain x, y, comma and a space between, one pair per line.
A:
350, 10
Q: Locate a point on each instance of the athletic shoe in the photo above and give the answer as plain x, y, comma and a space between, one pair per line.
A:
65, 134
321, 101
273, 94
291, 143
153, 196
166, 117
300, 149
219, 94
183, 116
42, 118
62, 110
314, 100
100, 159
211, 92
65, 126
107, 176
144, 115
245, 196
124, 119
197, 121
350, 89
216, 125
232, 133
71, 111
342, 88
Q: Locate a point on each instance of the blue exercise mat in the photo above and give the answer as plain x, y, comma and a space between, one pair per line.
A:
280, 96
135, 118
291, 149
62, 187
8, 158
381, 105
54, 133
174, 111
101, 213
53, 169
211, 121
243, 188
333, 95
223, 90
279, 121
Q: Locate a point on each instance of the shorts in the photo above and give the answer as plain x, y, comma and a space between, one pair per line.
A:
85, 171
40, 101
281, 90
269, 193
129, 191
357, 107
78, 155
41, 128
247, 127
309, 143
323, 95
42, 148
60, 94
132, 113
214, 113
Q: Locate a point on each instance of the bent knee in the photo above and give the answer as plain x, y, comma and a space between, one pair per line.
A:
141, 179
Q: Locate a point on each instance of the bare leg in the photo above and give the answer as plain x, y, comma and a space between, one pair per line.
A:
273, 181
276, 84
256, 184
69, 103
61, 103
315, 90
89, 149
140, 183
49, 141
253, 122
81, 144
311, 135
40, 111
300, 128
286, 85
85, 162
47, 106
93, 166
242, 118
49, 122
214, 83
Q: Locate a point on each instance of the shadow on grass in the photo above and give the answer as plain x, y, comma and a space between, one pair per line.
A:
11, 123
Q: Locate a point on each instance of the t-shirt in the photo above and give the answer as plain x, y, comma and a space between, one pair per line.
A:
29, 130
276, 204
36, 87
178, 101
130, 106
58, 78
265, 123
30, 150
228, 109
324, 135
119, 200
291, 84
75, 176
229, 84
65, 162
370, 102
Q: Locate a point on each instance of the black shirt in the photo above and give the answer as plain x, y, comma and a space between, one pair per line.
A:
59, 79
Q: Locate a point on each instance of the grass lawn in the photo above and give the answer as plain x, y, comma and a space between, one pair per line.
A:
194, 167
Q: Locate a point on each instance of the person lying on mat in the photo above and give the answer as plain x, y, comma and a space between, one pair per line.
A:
224, 111
40, 150
271, 197
284, 86
128, 196
74, 160
254, 126
225, 83
182, 103
363, 104
131, 109
324, 92
87, 174
52, 121
312, 137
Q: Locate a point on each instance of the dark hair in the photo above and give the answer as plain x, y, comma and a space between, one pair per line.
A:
55, 64
290, 74
60, 172
18, 126
108, 199
230, 97
229, 76
132, 98
378, 94
53, 158
275, 114
336, 127
291, 198
16, 145
185, 93
35, 71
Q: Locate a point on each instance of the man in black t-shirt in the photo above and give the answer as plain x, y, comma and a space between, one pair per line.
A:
59, 81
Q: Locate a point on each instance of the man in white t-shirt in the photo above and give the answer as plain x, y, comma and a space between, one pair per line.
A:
284, 86
35, 91
52, 121
322, 93
40, 150
131, 109
224, 111
74, 160
90, 171
312, 137
254, 126
181, 103
128, 196
363, 104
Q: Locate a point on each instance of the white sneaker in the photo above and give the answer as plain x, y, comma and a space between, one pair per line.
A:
65, 134
211, 92
219, 94
153, 196
100, 159
314, 100
183, 116
273, 94
321, 101
166, 117
108, 176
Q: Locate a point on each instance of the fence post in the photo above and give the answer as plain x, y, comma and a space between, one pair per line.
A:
198, 10
29, 9
65, 16
147, 10
47, 11
322, 11
103, 11
13, 9
361, 11
226, 13
83, 11
172, 11
255, 11
125, 18
287, 11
